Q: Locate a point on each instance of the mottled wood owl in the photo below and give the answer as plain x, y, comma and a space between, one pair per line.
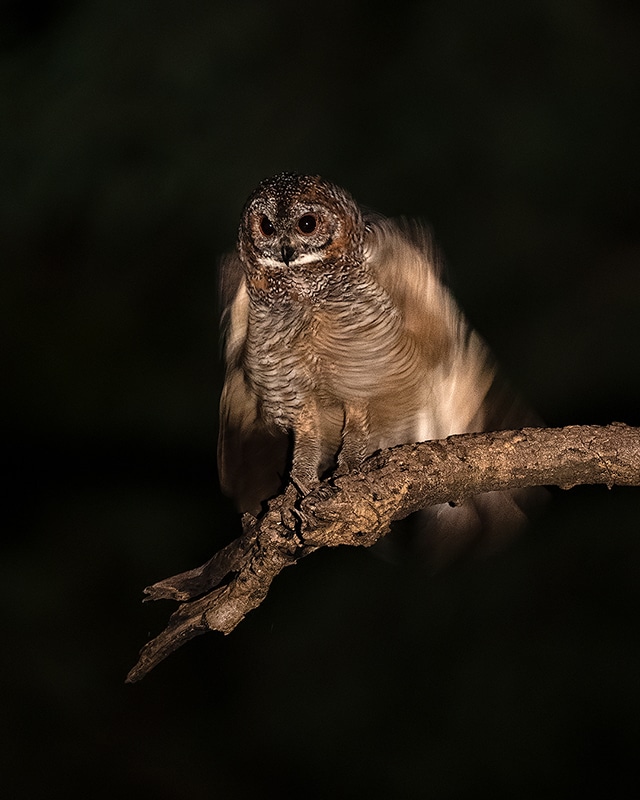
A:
341, 339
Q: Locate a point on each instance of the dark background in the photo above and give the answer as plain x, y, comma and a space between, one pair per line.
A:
131, 134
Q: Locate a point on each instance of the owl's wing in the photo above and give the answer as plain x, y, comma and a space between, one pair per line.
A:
252, 459
462, 389
456, 366
406, 262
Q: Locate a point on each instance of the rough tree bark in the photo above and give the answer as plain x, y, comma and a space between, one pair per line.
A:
358, 508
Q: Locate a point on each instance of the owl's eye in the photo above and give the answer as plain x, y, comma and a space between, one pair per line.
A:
307, 224
266, 227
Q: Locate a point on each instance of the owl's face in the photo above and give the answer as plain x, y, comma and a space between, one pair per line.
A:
299, 221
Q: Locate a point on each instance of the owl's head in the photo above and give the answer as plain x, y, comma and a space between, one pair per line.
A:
292, 221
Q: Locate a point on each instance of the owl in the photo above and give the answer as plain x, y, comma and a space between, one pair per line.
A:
342, 339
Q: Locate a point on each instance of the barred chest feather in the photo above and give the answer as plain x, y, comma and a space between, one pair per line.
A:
332, 350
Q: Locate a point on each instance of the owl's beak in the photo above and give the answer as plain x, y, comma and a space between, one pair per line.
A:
287, 252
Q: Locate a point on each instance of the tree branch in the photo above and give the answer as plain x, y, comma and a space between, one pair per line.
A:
358, 508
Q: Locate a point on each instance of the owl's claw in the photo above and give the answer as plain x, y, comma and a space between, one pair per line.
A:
313, 502
304, 519
294, 494
301, 488
301, 503
289, 514
325, 491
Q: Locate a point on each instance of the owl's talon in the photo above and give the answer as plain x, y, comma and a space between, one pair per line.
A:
324, 492
305, 519
320, 495
300, 487
292, 493
295, 493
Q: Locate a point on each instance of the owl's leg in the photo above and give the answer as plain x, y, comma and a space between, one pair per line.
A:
355, 436
307, 449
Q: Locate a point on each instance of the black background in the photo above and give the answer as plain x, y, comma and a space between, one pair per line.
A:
131, 134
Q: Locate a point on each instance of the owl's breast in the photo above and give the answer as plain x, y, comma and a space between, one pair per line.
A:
329, 353
278, 362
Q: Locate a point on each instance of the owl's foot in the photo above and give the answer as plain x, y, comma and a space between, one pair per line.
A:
301, 487
325, 491
300, 505
289, 512
294, 494
311, 510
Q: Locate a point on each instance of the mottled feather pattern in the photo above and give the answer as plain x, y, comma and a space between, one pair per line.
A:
341, 339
